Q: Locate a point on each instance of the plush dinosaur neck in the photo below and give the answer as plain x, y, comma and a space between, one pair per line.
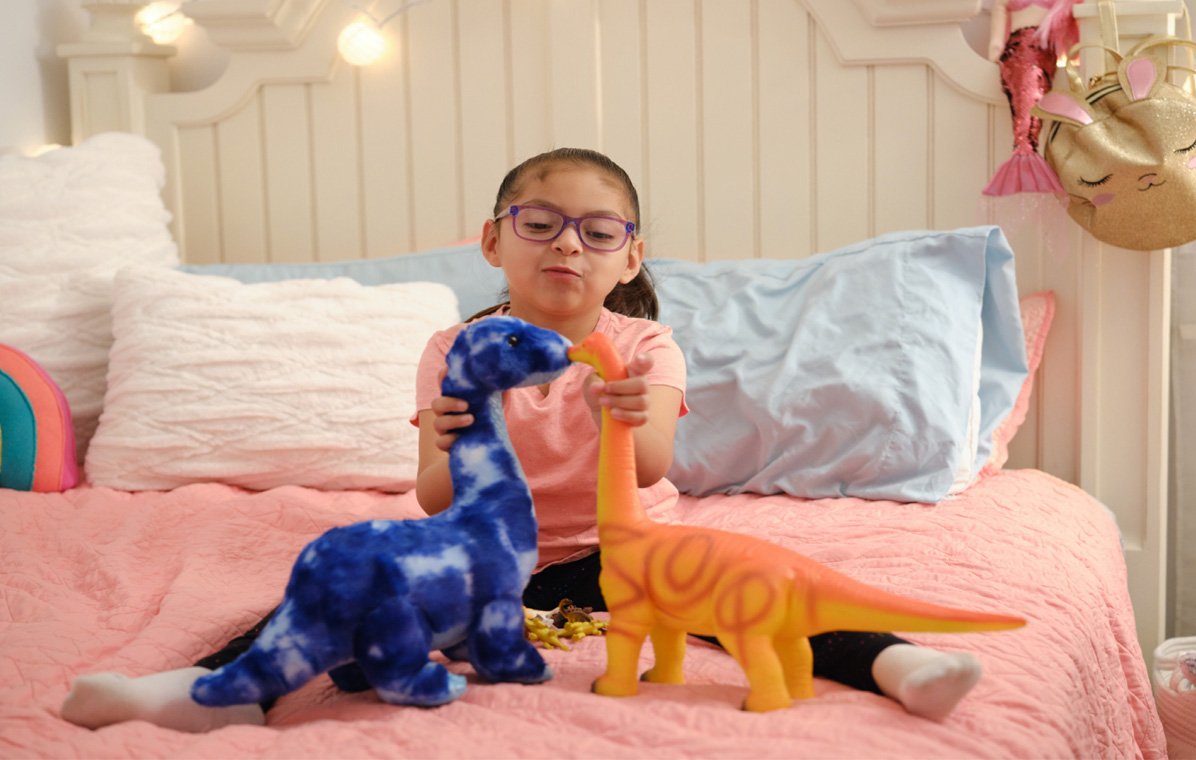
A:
482, 460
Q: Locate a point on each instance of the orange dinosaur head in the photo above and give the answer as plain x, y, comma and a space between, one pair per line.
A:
598, 351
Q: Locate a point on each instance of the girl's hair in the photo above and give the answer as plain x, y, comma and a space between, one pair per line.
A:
633, 299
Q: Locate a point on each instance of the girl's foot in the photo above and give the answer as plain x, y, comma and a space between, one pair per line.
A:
163, 699
925, 681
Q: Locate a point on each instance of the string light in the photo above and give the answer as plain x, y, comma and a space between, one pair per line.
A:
362, 42
163, 21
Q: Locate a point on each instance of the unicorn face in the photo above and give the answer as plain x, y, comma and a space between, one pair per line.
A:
1125, 154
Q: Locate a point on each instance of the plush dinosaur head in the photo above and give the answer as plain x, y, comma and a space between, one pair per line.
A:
503, 352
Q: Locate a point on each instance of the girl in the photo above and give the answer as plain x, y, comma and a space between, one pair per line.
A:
564, 234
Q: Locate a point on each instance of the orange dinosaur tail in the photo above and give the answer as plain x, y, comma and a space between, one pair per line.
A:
837, 602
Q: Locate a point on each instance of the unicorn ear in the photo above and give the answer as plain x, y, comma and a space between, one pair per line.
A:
1063, 107
1138, 77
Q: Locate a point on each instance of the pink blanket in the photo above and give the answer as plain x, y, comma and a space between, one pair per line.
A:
95, 580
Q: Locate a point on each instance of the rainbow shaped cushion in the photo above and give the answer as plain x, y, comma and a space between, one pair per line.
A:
37, 441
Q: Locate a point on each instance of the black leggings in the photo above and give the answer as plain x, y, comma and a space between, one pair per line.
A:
842, 656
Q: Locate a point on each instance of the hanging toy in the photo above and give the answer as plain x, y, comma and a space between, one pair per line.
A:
1124, 146
1028, 37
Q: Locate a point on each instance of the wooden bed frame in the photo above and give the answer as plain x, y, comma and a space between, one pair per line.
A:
753, 128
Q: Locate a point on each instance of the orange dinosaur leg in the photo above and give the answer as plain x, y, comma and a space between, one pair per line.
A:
762, 666
669, 647
623, 644
798, 662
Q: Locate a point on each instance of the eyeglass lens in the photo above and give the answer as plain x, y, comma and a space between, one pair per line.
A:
596, 232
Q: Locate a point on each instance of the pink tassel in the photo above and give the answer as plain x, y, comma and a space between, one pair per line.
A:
1058, 30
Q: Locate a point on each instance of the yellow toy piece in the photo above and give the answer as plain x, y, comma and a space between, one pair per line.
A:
538, 629
762, 601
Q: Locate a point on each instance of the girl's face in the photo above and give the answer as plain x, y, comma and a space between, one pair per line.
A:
561, 279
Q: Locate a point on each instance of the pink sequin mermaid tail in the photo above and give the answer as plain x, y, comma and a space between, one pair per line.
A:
1026, 74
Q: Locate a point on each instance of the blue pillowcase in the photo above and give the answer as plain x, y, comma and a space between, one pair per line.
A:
477, 284
849, 373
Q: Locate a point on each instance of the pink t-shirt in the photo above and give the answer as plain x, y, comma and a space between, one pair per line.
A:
556, 439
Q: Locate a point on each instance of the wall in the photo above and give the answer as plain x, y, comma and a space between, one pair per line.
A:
1182, 580
33, 79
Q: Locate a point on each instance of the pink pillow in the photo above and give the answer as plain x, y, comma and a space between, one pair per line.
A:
1037, 311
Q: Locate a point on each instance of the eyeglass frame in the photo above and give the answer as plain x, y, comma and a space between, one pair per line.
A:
513, 211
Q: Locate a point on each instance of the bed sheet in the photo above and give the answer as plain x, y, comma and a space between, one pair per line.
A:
100, 580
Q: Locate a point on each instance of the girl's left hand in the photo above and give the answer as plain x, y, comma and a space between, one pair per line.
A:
628, 400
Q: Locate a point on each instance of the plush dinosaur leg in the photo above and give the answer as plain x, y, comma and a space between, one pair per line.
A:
623, 644
668, 644
798, 662
498, 649
762, 666
349, 678
391, 647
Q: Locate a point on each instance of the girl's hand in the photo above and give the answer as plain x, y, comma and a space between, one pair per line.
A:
448, 416
628, 400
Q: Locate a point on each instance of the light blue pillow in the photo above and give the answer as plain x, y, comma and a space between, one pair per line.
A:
849, 373
844, 374
461, 267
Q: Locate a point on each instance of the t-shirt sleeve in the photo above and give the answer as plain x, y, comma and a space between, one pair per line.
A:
427, 381
668, 367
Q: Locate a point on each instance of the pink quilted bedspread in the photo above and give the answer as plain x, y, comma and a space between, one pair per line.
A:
95, 580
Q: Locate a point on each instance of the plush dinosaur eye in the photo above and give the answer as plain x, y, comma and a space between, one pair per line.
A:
512, 340
1097, 183
1187, 149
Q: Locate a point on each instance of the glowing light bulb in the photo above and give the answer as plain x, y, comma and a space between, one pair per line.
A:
361, 43
162, 21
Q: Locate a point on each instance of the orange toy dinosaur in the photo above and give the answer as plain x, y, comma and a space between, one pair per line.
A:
762, 601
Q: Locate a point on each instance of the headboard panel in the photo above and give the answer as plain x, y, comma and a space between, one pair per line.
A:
710, 107
752, 128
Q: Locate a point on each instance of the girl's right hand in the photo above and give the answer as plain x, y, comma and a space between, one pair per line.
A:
449, 417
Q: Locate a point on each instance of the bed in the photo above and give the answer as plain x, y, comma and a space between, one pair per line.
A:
231, 287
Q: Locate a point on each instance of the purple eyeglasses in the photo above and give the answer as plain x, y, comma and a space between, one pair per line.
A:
598, 233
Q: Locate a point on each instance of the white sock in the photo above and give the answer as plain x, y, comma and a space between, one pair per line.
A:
163, 699
925, 681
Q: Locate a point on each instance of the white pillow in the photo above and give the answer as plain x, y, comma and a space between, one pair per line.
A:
300, 382
69, 219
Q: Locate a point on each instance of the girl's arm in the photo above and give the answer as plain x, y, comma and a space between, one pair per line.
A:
433, 482
651, 410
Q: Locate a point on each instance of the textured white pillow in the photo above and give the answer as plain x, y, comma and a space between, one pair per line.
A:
300, 382
69, 219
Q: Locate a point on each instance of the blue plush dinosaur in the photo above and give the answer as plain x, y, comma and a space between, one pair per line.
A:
367, 602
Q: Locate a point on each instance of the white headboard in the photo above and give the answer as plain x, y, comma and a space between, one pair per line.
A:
752, 128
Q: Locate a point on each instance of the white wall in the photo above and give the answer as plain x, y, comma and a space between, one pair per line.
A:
34, 106
34, 99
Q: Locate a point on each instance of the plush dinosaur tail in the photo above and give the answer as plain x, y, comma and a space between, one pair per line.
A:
263, 672
840, 603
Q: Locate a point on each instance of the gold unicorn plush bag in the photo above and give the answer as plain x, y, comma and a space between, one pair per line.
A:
1124, 149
